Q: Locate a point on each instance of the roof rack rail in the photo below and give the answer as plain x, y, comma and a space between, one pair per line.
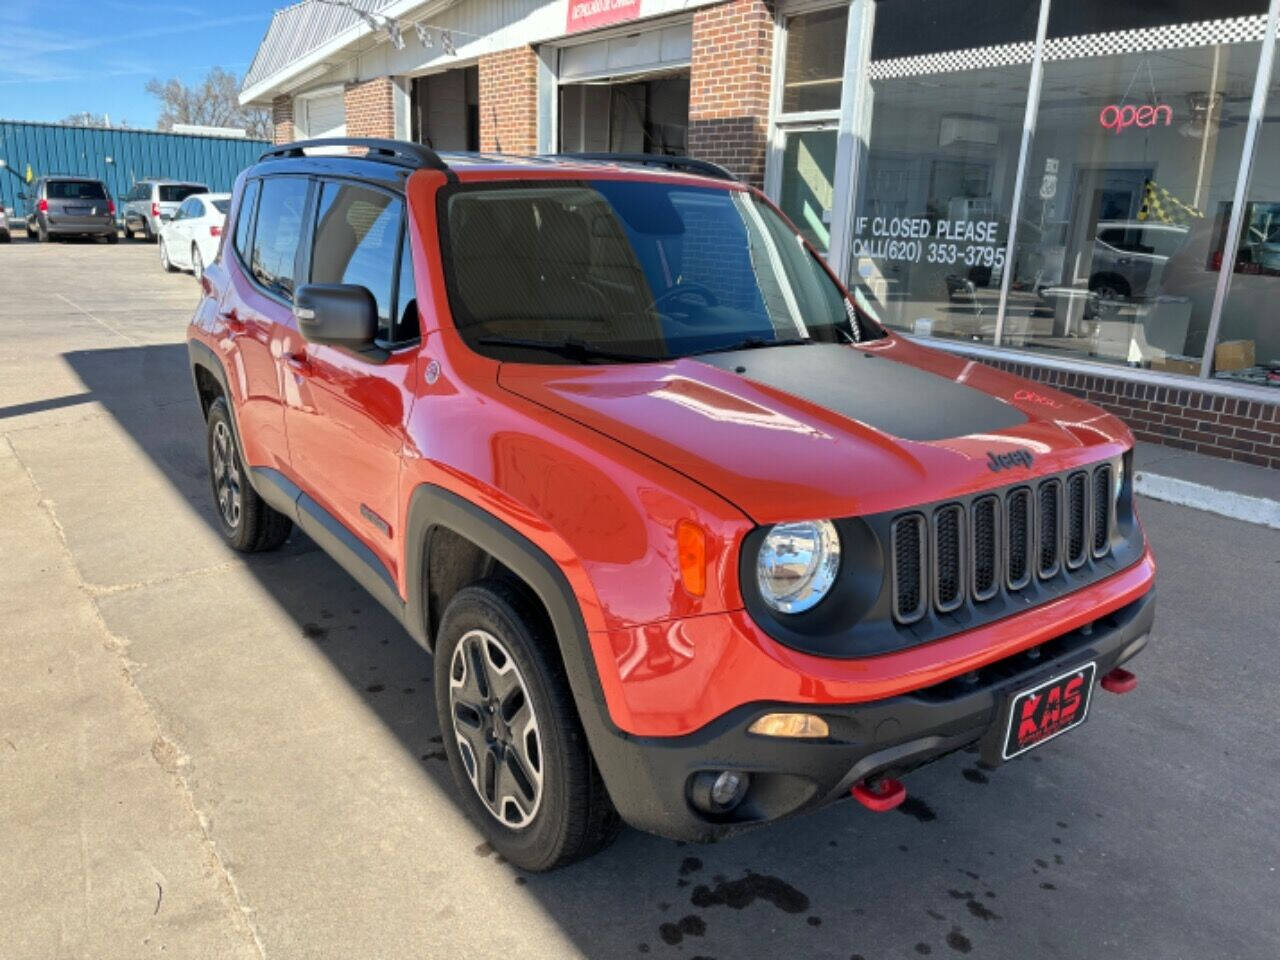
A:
400, 152
683, 164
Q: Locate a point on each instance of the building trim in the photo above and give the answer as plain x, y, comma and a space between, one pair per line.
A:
1093, 368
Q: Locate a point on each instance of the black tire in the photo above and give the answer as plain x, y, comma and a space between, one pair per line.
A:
197, 262
147, 235
128, 231
5, 237
572, 816
113, 237
42, 233
164, 258
247, 522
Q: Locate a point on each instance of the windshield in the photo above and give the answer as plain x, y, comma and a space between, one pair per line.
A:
76, 190
177, 192
622, 270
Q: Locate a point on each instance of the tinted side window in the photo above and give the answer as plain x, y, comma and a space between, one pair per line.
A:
406, 324
279, 228
244, 218
194, 208
357, 230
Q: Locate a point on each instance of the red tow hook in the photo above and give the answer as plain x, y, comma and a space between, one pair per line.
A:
1119, 680
879, 796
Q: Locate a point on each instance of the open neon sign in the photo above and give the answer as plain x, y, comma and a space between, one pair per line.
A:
1118, 117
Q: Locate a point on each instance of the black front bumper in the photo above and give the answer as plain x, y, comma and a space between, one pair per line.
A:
648, 777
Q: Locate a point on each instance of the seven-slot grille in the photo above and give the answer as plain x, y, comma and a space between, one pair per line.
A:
1000, 540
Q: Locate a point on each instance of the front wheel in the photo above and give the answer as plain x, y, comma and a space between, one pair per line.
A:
197, 262
247, 522
516, 748
164, 258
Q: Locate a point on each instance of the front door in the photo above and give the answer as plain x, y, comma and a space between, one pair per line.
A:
346, 413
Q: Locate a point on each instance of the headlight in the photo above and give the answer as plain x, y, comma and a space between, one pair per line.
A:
797, 564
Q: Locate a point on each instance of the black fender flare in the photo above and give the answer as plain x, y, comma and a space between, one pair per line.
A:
431, 506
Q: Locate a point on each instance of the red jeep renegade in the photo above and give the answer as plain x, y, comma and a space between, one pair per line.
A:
697, 543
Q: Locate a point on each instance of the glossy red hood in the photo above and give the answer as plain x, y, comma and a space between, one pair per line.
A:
829, 431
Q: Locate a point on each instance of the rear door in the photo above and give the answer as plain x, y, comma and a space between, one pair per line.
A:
346, 414
257, 310
77, 204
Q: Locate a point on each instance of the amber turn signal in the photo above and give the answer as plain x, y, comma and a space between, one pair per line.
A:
691, 545
803, 725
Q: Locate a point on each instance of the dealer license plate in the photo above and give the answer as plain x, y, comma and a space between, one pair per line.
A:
1048, 709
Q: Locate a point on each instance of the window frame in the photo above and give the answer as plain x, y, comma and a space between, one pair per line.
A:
318, 183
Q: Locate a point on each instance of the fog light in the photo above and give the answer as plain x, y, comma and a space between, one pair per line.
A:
719, 791
790, 725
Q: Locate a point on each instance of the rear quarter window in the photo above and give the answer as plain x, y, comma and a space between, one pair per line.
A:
244, 219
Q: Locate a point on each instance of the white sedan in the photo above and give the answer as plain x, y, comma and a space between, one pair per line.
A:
190, 238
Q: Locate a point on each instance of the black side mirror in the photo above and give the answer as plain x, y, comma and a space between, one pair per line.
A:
340, 315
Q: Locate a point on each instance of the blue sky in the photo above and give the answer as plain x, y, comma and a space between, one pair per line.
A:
59, 57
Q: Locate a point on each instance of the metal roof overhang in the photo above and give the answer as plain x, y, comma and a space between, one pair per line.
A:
308, 39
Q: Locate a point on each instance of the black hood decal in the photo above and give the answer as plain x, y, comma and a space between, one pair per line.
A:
895, 398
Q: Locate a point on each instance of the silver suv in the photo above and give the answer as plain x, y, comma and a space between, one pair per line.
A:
150, 203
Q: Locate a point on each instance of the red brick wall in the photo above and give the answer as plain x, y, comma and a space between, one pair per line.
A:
1190, 419
729, 86
509, 101
371, 108
282, 119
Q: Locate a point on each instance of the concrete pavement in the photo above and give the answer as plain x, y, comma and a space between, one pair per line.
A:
204, 755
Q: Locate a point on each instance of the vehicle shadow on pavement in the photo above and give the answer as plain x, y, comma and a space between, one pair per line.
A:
973, 862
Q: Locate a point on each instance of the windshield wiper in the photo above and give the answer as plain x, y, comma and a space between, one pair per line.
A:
569, 349
752, 343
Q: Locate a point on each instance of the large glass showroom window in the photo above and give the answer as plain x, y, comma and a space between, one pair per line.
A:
949, 92
1121, 227
1248, 345
807, 117
1137, 151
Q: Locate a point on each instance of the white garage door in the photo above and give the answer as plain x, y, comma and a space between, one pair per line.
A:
325, 116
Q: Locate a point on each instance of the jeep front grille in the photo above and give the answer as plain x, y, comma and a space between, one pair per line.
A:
1077, 521
997, 543
948, 552
1020, 538
1101, 509
1048, 527
910, 594
984, 547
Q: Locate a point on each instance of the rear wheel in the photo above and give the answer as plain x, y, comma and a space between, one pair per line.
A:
42, 233
516, 748
128, 230
246, 521
147, 235
112, 237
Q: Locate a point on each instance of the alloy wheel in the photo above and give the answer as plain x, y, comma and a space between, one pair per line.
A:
226, 475
496, 728
164, 255
197, 262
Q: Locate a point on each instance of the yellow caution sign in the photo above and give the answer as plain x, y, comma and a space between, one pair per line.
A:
31, 174
1160, 205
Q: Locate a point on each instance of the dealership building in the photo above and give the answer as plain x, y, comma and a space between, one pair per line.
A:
1086, 192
